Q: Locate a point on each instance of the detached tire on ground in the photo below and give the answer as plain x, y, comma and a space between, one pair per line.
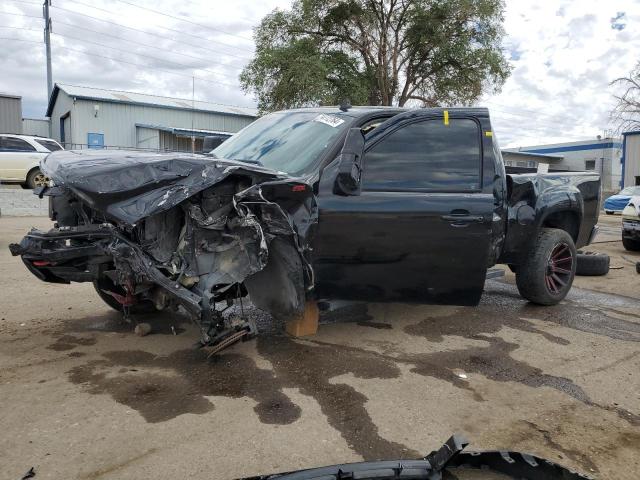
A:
592, 263
630, 244
547, 274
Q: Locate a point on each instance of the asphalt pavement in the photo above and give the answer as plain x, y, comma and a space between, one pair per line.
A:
82, 397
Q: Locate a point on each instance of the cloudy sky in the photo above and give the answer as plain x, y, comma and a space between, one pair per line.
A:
564, 54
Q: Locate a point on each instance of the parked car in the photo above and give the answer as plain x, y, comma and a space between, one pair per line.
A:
377, 204
616, 203
631, 225
20, 157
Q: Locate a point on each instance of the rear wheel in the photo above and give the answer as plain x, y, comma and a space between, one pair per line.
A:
609, 212
546, 276
631, 244
105, 285
37, 179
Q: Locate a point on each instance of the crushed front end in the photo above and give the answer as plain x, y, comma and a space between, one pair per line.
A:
157, 231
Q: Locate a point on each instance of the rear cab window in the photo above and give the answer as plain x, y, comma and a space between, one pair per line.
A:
426, 155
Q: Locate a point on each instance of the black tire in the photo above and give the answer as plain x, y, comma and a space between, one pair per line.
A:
36, 179
542, 279
592, 263
106, 284
630, 244
609, 212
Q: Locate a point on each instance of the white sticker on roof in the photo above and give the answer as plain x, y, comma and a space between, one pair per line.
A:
330, 120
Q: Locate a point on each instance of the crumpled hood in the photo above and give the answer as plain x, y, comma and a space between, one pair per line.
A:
130, 185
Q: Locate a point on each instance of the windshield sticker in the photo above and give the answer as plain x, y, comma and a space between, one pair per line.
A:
330, 120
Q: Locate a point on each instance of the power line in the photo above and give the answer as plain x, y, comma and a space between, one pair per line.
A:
58, 22
151, 57
90, 54
121, 50
180, 32
21, 15
24, 2
217, 52
182, 19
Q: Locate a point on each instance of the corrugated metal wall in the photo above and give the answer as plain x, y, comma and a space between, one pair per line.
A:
35, 126
171, 142
63, 105
118, 121
10, 114
632, 160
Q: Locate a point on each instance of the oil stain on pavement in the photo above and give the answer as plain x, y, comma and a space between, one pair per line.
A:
182, 381
69, 342
190, 379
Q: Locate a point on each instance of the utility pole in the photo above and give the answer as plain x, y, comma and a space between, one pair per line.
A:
193, 108
47, 43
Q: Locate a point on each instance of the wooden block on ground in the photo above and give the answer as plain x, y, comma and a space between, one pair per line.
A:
307, 324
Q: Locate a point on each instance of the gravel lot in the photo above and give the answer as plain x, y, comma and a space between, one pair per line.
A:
81, 397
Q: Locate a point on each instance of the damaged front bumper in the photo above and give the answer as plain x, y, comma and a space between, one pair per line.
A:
172, 232
80, 254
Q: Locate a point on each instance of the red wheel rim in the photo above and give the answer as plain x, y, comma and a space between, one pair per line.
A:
559, 268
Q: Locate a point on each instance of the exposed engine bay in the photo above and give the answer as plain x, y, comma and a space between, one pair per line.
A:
158, 231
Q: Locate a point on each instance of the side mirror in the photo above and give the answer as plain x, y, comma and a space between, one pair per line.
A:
350, 164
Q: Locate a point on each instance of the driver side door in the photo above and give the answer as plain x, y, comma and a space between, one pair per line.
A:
420, 228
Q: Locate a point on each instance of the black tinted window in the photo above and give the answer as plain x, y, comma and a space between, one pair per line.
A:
11, 144
49, 145
426, 155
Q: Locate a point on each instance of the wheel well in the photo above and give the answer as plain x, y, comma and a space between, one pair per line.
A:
30, 171
565, 220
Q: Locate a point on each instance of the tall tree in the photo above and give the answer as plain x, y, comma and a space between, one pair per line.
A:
626, 113
379, 52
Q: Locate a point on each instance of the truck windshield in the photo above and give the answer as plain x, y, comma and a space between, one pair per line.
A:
288, 142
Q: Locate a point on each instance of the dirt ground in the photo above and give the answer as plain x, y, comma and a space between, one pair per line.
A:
81, 397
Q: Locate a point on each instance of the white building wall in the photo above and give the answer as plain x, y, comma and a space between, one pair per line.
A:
63, 105
632, 160
117, 121
147, 138
10, 114
603, 156
35, 126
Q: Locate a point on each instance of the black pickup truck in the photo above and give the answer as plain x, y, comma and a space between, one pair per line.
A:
361, 203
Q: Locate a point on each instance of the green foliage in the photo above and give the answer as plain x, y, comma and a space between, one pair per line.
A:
379, 52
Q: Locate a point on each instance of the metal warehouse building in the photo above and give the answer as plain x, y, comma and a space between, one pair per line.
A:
11, 120
84, 117
631, 158
601, 155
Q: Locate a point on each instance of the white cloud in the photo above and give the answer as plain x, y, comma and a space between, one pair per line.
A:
564, 55
567, 54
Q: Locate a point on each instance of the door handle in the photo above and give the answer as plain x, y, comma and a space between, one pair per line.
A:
460, 218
